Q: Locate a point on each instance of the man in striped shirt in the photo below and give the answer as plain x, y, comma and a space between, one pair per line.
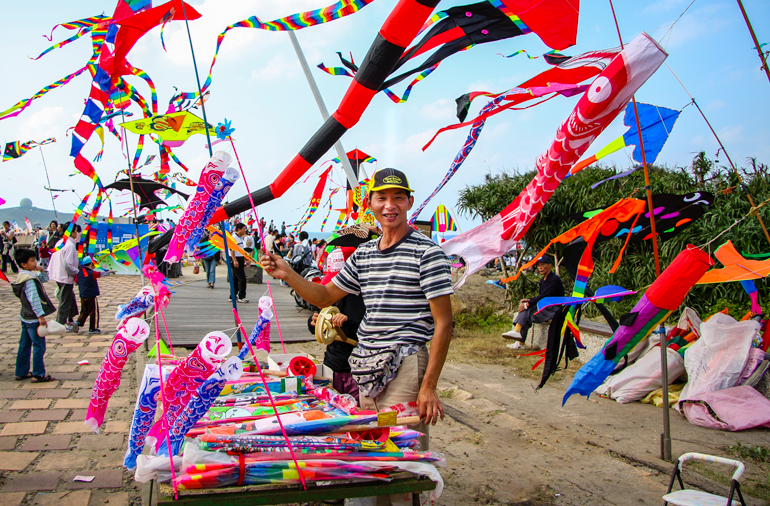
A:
404, 279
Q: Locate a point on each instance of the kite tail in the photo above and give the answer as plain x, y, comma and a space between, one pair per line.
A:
62, 43
23, 104
425, 73
470, 142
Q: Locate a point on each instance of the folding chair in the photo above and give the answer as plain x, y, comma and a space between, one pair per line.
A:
689, 497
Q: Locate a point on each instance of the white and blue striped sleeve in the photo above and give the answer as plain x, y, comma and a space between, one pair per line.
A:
435, 274
34, 299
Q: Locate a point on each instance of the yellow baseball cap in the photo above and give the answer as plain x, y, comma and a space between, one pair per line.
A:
389, 178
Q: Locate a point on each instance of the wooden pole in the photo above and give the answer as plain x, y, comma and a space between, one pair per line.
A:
665, 439
756, 42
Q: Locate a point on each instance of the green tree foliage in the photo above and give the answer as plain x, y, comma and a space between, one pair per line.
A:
637, 270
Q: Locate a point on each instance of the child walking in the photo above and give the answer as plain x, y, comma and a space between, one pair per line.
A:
35, 306
89, 291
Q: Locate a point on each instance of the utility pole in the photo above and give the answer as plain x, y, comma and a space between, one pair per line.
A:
349, 172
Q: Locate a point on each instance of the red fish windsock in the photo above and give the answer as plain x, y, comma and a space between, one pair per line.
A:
602, 102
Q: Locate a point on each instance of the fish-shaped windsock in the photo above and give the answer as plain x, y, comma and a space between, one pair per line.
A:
129, 337
142, 302
187, 377
200, 402
144, 414
257, 337
223, 186
196, 206
664, 296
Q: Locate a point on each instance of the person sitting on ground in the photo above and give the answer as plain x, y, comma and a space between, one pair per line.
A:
550, 286
352, 311
88, 288
35, 306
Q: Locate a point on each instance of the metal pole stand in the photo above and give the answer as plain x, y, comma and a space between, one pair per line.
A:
665, 437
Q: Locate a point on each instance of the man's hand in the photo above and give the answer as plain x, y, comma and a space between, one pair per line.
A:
313, 319
275, 266
429, 405
42, 321
339, 319
235, 262
40, 268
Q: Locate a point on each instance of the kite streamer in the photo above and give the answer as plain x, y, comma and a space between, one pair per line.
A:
201, 401
315, 200
196, 206
186, 377
470, 142
18, 149
331, 194
294, 22
144, 414
129, 337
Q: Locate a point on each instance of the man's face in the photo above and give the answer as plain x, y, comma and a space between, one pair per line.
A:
241, 232
543, 268
6, 227
390, 206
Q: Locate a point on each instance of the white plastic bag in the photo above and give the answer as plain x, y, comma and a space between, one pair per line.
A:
642, 377
716, 360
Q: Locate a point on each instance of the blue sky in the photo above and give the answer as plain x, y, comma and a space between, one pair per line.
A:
259, 86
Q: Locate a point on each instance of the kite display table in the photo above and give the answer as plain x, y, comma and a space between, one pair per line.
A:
405, 483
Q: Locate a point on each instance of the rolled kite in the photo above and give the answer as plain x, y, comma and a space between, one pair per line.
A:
193, 215
656, 122
187, 377
144, 414
606, 97
200, 402
128, 338
664, 296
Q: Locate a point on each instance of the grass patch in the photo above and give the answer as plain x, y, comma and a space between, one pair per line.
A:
485, 316
486, 346
446, 394
755, 454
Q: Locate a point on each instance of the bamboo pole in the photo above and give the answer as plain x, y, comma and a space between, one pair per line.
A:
762, 57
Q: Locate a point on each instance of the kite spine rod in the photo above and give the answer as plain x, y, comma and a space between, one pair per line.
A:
722, 147
665, 439
50, 193
225, 248
762, 57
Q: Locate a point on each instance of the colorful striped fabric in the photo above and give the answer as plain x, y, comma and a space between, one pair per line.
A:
293, 22
18, 149
513, 17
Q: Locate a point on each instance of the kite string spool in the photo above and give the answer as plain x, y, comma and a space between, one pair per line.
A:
261, 238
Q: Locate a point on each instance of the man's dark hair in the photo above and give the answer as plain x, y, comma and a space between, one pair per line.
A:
240, 226
23, 255
75, 228
303, 235
7, 223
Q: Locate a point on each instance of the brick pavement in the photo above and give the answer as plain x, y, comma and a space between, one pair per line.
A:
43, 441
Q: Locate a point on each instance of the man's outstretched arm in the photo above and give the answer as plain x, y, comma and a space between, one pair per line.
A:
315, 293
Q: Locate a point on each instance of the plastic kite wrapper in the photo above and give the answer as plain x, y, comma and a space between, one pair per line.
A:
144, 414
602, 102
143, 301
260, 335
663, 297
201, 401
226, 182
344, 402
192, 218
129, 337
186, 377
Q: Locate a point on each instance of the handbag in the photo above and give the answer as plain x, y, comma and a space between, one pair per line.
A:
196, 269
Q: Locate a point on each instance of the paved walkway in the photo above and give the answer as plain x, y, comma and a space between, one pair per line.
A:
43, 441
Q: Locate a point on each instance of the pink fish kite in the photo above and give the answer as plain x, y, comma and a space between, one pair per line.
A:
131, 334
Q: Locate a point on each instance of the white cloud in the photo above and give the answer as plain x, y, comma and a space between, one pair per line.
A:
440, 110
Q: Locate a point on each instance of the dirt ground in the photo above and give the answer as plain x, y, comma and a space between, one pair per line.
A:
507, 444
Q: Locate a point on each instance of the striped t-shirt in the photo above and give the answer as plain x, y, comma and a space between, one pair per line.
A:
396, 284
